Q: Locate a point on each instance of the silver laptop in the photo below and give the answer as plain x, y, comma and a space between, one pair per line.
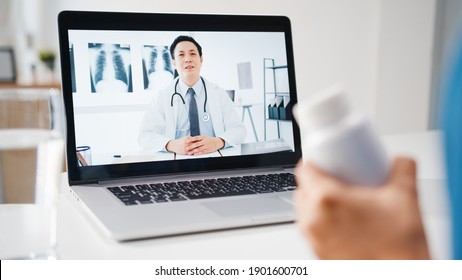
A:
115, 66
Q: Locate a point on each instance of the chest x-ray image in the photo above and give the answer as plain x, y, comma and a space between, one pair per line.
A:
157, 67
110, 68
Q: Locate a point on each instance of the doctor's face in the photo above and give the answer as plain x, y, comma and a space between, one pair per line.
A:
187, 62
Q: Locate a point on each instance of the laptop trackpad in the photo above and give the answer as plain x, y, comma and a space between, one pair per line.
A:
249, 206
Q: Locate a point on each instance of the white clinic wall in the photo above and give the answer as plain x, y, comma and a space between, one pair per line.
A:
5, 22
365, 45
404, 68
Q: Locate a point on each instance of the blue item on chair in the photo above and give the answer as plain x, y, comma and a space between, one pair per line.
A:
453, 145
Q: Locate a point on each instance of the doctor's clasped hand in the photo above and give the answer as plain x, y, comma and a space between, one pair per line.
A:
197, 145
191, 116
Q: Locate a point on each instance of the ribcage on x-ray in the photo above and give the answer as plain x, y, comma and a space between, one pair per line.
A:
157, 67
120, 73
167, 62
153, 60
100, 65
111, 69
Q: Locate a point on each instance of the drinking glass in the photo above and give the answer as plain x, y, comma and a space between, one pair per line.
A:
31, 160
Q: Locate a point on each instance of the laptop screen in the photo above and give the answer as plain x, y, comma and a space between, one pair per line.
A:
128, 102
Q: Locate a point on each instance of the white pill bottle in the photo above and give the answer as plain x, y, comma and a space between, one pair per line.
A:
340, 141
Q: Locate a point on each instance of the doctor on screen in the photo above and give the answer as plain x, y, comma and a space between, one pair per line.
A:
191, 116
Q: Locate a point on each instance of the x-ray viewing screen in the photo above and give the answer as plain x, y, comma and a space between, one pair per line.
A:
128, 105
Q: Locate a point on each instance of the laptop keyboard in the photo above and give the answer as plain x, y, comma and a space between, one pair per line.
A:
199, 189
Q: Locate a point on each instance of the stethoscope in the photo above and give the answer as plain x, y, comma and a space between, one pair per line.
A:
205, 115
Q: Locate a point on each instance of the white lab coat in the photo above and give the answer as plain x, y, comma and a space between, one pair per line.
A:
159, 124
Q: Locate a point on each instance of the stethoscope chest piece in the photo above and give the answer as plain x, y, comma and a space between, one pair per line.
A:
205, 117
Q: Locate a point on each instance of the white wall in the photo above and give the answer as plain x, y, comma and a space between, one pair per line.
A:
379, 49
404, 68
5, 23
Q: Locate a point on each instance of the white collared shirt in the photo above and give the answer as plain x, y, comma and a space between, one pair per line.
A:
206, 127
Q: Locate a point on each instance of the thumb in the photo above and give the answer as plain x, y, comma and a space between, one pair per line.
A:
403, 173
309, 172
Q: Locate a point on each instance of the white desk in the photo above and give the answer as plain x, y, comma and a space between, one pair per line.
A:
80, 238
274, 145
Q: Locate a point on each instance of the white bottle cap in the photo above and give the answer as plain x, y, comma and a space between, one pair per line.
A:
323, 109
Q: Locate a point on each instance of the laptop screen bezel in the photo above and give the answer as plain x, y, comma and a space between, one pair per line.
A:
84, 20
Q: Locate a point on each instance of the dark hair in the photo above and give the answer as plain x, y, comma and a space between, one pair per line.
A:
183, 38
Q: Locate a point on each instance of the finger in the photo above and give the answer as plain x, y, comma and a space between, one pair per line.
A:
316, 171
303, 181
317, 174
308, 178
200, 150
315, 190
194, 144
301, 197
191, 143
403, 173
196, 138
189, 139
189, 147
196, 148
303, 172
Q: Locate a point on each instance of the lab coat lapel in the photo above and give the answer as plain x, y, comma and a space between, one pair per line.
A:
171, 117
172, 120
213, 100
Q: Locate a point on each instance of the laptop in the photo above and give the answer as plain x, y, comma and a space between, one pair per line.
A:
114, 65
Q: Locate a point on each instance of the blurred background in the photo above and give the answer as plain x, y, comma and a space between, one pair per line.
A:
388, 53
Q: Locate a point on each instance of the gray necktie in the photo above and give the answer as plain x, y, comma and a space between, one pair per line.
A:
193, 116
